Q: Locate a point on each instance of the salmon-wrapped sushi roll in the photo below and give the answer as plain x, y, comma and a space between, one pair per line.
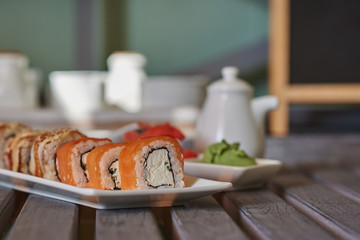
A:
43, 151
71, 160
8, 130
152, 162
103, 167
18, 151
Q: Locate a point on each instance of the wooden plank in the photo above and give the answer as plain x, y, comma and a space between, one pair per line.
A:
324, 93
357, 170
7, 208
314, 150
337, 214
344, 181
45, 218
204, 219
279, 55
264, 215
138, 223
86, 225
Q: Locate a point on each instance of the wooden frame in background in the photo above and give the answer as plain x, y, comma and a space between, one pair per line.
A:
279, 75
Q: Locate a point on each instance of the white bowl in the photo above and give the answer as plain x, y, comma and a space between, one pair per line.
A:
169, 91
240, 177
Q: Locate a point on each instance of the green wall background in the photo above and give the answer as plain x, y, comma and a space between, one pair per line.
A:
41, 29
174, 35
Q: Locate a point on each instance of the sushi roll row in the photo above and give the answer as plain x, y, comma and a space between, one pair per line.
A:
68, 156
145, 163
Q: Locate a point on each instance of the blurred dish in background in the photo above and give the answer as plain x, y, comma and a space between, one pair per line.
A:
115, 135
33, 78
19, 85
123, 84
171, 91
77, 93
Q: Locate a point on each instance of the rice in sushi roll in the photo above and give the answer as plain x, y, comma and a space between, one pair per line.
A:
151, 163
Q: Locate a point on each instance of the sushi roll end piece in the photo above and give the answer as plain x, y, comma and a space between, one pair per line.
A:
43, 152
9, 130
152, 163
19, 149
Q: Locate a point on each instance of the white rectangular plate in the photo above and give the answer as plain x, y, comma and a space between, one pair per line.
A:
102, 199
240, 177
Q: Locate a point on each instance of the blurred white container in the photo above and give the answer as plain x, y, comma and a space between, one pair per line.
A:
13, 66
78, 93
170, 91
32, 83
124, 83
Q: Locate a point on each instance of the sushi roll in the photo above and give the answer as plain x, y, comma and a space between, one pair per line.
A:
103, 167
18, 151
151, 163
71, 160
43, 151
8, 130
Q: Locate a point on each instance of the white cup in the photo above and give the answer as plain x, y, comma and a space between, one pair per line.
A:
171, 91
13, 66
77, 92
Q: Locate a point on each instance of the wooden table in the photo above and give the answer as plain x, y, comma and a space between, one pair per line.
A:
316, 196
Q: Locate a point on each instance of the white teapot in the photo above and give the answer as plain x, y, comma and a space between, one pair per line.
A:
230, 113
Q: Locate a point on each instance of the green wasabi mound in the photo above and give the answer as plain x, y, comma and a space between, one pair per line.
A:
225, 154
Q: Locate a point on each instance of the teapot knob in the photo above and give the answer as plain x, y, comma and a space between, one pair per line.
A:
229, 73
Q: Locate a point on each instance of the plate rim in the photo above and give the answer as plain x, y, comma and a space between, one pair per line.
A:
263, 163
91, 192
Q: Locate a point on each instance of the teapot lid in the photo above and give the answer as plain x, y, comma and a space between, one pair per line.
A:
230, 82
126, 58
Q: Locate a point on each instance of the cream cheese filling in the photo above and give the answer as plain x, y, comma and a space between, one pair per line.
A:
158, 171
